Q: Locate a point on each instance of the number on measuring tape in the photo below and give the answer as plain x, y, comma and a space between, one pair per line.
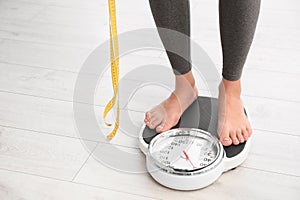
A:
114, 61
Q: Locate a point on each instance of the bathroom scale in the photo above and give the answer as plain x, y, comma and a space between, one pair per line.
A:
190, 156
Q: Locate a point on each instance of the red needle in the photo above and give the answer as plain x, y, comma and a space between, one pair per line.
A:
187, 157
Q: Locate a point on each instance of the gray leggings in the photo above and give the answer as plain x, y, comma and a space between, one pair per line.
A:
238, 20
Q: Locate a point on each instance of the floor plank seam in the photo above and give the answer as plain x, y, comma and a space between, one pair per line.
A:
276, 132
46, 133
89, 140
53, 99
50, 43
68, 181
98, 105
43, 43
273, 99
32, 174
70, 137
62, 6
273, 172
83, 164
39, 67
96, 186
157, 57
272, 71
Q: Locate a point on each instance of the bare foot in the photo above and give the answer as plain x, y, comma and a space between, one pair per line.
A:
233, 124
167, 114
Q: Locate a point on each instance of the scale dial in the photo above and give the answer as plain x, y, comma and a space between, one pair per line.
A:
185, 151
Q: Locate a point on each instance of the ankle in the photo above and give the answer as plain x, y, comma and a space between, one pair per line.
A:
183, 80
230, 88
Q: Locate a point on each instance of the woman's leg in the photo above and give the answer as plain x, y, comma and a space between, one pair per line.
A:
237, 23
238, 20
174, 15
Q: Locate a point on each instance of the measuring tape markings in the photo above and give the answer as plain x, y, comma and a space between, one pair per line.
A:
114, 61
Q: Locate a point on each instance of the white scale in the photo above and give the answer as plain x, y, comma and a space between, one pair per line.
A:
189, 156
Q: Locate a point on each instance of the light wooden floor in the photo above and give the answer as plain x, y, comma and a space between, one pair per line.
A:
43, 44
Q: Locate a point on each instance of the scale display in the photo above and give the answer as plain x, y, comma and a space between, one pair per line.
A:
184, 151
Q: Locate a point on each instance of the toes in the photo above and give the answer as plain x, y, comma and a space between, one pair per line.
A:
240, 137
146, 121
147, 118
249, 131
234, 138
154, 123
226, 141
224, 138
245, 134
167, 125
159, 128
163, 127
152, 119
147, 115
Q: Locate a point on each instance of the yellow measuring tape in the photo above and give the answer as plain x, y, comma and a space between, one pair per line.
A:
114, 62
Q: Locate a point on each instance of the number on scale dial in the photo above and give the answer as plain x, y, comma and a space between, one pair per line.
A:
184, 152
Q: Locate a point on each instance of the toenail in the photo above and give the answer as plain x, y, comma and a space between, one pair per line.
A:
159, 127
226, 139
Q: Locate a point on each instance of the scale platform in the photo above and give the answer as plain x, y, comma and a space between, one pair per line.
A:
202, 114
